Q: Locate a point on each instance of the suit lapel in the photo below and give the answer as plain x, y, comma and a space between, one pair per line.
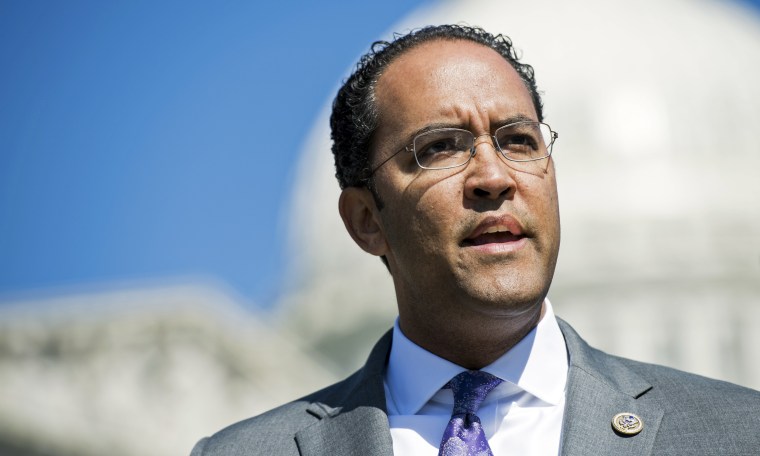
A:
360, 424
598, 388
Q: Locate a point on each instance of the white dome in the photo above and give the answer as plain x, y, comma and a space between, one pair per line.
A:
657, 105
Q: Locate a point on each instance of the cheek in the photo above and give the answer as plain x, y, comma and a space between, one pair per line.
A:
544, 208
438, 215
539, 193
538, 180
545, 195
441, 200
431, 213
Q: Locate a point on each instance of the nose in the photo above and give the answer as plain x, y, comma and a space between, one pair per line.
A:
488, 175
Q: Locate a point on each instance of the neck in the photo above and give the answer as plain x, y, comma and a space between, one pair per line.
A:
472, 340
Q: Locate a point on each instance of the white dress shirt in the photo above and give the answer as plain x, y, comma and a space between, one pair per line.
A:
522, 416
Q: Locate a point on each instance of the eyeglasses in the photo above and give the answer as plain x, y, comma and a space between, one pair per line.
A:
445, 148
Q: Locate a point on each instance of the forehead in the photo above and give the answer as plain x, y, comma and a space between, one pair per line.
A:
456, 82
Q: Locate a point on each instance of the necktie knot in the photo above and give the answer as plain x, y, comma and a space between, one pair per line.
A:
470, 388
464, 435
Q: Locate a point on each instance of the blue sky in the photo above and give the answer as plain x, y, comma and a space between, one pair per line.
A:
145, 140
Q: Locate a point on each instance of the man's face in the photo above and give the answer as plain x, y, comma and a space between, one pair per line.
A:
437, 224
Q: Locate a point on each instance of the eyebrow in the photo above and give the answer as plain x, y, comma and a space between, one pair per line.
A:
430, 127
499, 123
513, 119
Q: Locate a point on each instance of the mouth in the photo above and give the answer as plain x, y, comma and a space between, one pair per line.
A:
501, 230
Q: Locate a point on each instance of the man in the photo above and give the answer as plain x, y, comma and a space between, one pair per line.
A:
447, 175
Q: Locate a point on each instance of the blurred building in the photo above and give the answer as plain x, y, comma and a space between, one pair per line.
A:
140, 371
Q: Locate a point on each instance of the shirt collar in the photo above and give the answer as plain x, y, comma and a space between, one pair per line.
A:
537, 364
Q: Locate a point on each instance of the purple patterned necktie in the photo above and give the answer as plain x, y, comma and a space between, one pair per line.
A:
464, 435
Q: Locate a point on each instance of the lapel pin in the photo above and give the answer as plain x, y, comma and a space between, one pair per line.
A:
627, 424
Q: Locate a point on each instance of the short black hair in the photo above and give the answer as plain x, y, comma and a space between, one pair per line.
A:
354, 114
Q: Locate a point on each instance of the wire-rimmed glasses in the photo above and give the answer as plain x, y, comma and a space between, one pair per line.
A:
444, 148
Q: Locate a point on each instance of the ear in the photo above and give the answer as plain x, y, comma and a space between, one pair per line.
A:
360, 216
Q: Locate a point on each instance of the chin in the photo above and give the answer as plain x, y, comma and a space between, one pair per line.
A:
507, 298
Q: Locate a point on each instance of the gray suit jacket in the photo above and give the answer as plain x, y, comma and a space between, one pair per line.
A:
683, 414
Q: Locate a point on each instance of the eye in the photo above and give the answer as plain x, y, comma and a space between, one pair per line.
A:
436, 146
520, 138
441, 148
519, 141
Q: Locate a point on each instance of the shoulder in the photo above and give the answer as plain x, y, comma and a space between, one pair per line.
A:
272, 432
240, 437
689, 414
698, 412
672, 388
682, 391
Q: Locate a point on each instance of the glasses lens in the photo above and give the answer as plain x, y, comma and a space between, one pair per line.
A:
443, 148
524, 141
